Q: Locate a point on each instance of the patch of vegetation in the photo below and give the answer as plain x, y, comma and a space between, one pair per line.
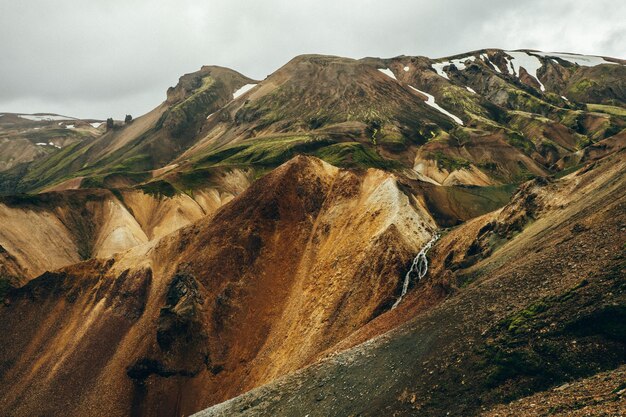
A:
460, 100
186, 115
558, 338
603, 108
520, 320
449, 163
196, 178
520, 142
581, 86
218, 156
275, 151
520, 100
104, 181
461, 134
159, 189
392, 141
137, 163
354, 155
57, 166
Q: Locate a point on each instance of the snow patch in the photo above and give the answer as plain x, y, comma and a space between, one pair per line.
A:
96, 125
459, 63
486, 59
564, 98
431, 102
43, 117
530, 63
243, 90
470, 89
70, 127
47, 144
582, 60
209, 116
406, 69
388, 73
439, 68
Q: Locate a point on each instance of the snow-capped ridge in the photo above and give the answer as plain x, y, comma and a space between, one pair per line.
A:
529, 62
582, 60
458, 62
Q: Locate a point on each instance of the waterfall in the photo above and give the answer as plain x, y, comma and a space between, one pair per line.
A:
419, 266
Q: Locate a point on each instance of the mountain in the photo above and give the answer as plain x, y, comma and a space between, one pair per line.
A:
416, 115
264, 247
25, 138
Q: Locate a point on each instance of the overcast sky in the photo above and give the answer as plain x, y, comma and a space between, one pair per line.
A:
95, 58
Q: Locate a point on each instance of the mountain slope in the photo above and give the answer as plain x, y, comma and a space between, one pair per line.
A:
524, 317
148, 143
410, 114
218, 295
29, 137
75, 225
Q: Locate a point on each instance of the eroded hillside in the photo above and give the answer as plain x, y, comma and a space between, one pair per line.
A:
538, 301
306, 256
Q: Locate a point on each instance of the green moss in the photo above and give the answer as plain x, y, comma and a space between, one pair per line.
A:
460, 99
135, 163
275, 151
581, 86
449, 163
354, 155
521, 100
520, 321
58, 165
519, 141
568, 171
461, 134
216, 157
392, 140
613, 110
186, 115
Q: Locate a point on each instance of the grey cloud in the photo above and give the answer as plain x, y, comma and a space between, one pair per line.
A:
95, 59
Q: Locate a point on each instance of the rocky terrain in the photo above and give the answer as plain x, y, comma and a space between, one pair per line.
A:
242, 249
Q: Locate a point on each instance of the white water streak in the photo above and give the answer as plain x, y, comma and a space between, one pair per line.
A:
419, 265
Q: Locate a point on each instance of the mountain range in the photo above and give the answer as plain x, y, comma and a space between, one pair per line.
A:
249, 247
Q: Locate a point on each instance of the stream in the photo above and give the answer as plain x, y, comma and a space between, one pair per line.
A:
419, 266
